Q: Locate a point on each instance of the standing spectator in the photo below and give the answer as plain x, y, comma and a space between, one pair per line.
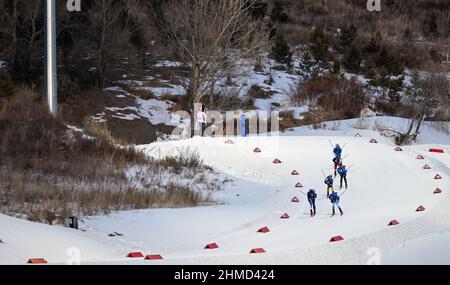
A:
201, 121
243, 124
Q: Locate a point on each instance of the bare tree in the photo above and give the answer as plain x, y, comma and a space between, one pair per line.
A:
428, 95
8, 33
108, 23
213, 37
22, 28
140, 32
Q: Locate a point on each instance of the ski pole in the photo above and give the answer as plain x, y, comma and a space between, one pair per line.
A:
323, 172
343, 192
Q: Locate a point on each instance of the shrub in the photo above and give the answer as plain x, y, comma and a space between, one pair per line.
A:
281, 51
258, 93
335, 97
6, 85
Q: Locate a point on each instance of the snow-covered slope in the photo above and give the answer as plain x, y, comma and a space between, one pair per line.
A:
24, 240
384, 185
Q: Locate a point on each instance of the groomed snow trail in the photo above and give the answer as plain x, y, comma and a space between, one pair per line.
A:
384, 185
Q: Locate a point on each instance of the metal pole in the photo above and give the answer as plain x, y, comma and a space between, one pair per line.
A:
51, 87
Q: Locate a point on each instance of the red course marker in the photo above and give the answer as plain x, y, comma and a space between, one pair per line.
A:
264, 230
398, 149
373, 141
437, 177
420, 157
420, 209
229, 142
37, 261
135, 255
393, 223
437, 191
258, 250
285, 216
436, 150
257, 150
212, 246
358, 135
295, 200
298, 185
426, 167
295, 172
336, 238
277, 161
154, 257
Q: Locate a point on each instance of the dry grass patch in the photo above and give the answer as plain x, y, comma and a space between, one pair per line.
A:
48, 172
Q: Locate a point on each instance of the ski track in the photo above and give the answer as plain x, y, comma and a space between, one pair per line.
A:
355, 249
384, 185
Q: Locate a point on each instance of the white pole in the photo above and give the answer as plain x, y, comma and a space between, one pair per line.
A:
51, 88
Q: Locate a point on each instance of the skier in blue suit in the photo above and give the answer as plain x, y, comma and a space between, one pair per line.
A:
330, 185
337, 152
337, 160
342, 170
242, 123
335, 199
312, 196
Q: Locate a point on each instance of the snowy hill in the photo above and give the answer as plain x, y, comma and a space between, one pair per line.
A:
385, 185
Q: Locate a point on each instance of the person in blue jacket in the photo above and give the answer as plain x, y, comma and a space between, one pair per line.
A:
335, 199
342, 170
312, 196
337, 160
330, 185
337, 152
242, 123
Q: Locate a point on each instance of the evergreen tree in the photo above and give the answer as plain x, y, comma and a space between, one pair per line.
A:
278, 13
372, 46
347, 36
319, 45
430, 26
307, 64
395, 85
390, 62
281, 51
390, 86
352, 59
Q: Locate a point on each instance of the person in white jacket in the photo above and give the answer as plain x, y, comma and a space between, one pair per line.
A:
201, 121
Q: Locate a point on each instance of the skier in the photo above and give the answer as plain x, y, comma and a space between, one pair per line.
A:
330, 185
337, 160
334, 199
312, 196
342, 170
337, 152
337, 163
242, 123
201, 121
